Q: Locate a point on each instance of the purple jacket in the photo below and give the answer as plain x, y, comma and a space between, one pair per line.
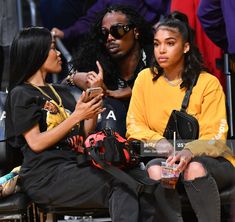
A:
149, 9
218, 20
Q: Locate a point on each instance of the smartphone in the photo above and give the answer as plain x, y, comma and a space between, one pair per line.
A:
92, 92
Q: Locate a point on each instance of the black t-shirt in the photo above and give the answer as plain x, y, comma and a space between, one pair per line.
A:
116, 109
27, 106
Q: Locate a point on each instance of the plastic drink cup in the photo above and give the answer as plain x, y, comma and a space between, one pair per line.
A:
169, 176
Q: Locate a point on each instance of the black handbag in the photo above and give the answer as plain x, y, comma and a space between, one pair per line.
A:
185, 126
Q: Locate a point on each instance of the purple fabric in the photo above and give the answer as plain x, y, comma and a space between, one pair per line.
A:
149, 9
62, 13
218, 20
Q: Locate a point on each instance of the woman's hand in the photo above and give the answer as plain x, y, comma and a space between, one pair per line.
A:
87, 110
183, 157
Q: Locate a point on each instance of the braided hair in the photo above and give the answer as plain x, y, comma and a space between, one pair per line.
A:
94, 48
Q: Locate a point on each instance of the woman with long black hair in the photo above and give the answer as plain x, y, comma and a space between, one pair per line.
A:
48, 125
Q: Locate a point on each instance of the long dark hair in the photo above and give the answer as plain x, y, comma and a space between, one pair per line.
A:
29, 50
94, 49
193, 64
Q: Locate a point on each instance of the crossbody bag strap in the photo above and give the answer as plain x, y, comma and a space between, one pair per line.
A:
123, 177
188, 94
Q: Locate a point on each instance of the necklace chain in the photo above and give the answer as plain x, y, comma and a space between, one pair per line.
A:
45, 94
174, 82
60, 105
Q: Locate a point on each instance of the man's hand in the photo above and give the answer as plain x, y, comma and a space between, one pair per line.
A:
96, 79
57, 33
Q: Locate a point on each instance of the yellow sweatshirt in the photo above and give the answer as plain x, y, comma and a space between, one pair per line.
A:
152, 103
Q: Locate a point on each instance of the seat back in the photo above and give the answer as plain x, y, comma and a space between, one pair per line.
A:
14, 206
3, 96
4, 160
9, 157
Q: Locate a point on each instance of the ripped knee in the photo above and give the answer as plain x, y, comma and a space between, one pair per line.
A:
194, 170
154, 172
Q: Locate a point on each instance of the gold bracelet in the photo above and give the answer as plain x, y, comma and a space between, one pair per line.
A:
69, 80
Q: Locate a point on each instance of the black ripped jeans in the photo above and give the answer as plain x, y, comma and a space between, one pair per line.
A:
203, 193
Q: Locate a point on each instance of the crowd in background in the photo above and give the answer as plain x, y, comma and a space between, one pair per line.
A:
73, 18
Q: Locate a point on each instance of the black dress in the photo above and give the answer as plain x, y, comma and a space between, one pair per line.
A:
53, 176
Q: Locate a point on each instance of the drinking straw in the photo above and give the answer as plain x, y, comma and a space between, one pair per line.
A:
174, 143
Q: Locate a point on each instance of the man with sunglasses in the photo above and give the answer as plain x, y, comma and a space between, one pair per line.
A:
119, 46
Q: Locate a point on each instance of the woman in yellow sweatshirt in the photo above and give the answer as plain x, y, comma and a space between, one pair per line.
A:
206, 163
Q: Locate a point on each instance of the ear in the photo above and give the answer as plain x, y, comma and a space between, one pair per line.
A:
186, 47
136, 33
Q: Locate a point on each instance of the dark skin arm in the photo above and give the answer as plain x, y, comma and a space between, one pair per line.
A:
92, 79
39, 141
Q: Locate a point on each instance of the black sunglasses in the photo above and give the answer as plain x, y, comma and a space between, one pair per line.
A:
117, 31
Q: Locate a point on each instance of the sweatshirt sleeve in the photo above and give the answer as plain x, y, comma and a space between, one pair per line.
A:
137, 124
212, 122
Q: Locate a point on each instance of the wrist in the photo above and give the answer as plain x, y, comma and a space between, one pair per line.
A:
70, 79
164, 147
160, 141
74, 119
187, 149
